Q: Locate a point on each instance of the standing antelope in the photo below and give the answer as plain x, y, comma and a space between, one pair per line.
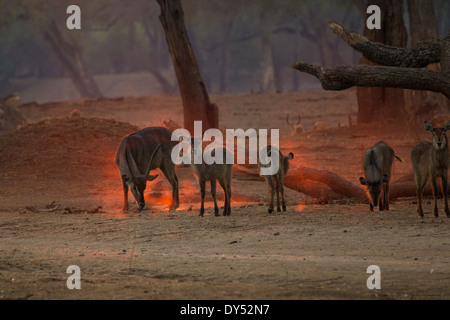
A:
430, 160
214, 172
296, 128
144, 151
377, 166
276, 182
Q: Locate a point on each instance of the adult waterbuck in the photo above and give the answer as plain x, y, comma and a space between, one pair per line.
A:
138, 154
430, 160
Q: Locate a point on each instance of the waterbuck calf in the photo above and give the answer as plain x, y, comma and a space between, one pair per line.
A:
138, 154
377, 165
214, 172
276, 182
430, 160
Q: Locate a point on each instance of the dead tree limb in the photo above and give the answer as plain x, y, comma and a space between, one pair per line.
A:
321, 184
344, 77
419, 56
399, 67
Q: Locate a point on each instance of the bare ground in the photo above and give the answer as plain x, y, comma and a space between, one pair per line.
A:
311, 251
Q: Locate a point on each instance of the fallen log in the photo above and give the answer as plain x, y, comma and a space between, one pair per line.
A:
326, 186
321, 184
405, 186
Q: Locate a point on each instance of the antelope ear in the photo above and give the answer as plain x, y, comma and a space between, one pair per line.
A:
447, 126
151, 177
428, 126
290, 156
362, 181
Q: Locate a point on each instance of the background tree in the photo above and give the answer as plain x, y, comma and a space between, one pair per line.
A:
49, 19
240, 45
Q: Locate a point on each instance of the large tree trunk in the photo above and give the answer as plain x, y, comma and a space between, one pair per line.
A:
196, 103
422, 105
377, 103
225, 54
70, 58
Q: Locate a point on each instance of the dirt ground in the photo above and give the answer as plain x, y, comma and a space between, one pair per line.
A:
61, 203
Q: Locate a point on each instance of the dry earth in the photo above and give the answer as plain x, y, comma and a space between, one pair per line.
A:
311, 251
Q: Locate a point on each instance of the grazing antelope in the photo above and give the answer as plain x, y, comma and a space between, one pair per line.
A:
137, 155
430, 160
276, 182
377, 165
215, 172
296, 128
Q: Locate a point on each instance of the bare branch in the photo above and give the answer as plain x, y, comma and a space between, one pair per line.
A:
344, 77
419, 56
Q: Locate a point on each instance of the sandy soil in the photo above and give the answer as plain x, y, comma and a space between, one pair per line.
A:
61, 205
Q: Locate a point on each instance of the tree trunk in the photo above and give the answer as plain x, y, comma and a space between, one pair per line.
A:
225, 54
196, 103
70, 58
423, 105
295, 76
326, 186
155, 62
375, 104
267, 79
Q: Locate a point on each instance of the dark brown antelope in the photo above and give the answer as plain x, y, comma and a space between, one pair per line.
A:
430, 160
138, 154
377, 165
275, 182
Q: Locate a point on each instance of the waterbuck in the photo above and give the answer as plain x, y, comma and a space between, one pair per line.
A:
138, 154
430, 160
214, 172
377, 165
276, 182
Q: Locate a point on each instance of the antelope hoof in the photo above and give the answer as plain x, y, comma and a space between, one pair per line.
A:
284, 208
270, 210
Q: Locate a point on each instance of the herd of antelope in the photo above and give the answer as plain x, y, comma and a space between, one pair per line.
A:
151, 148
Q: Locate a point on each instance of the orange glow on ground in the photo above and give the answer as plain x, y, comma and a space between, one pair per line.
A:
300, 207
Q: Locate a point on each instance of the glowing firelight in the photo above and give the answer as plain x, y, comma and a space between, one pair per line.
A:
300, 207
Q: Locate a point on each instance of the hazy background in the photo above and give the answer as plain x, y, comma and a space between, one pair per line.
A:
241, 46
